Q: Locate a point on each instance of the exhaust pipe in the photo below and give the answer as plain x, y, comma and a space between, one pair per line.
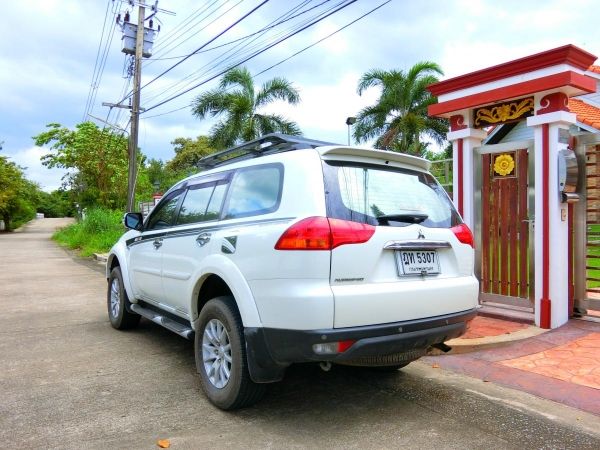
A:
443, 347
325, 366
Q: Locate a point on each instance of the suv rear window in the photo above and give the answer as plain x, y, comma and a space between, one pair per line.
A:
386, 196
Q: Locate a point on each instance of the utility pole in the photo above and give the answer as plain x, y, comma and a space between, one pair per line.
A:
135, 108
133, 43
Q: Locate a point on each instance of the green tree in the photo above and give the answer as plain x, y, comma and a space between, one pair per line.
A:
56, 204
18, 196
240, 102
187, 154
398, 120
96, 158
154, 176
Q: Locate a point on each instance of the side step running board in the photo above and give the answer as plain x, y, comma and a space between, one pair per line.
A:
163, 321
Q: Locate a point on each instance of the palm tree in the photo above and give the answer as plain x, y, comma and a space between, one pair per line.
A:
236, 97
399, 120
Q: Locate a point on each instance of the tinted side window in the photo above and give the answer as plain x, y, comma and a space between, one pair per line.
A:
255, 191
193, 208
216, 201
164, 214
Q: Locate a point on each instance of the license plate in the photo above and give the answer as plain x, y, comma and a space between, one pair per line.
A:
417, 262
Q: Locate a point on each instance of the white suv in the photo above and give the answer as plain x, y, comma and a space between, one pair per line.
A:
291, 250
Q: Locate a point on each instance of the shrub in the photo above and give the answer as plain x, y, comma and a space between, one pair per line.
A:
95, 233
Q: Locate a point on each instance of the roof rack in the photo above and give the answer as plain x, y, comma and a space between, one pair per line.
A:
265, 145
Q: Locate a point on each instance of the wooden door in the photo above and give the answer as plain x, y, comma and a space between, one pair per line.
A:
505, 237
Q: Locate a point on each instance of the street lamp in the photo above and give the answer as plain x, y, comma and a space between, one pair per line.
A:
350, 121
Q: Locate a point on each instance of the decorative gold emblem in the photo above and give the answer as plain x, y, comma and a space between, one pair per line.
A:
504, 112
504, 164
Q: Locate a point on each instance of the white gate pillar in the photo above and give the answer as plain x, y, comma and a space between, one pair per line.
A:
464, 140
551, 215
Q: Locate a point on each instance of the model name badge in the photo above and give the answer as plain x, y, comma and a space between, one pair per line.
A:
345, 280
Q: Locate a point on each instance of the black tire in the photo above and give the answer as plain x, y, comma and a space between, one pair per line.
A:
238, 391
118, 303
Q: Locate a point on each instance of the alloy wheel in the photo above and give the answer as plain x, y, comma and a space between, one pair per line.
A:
216, 353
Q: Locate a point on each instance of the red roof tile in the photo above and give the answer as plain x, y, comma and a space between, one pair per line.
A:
588, 114
595, 69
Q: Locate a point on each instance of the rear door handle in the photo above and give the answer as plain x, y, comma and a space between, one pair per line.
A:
203, 239
157, 243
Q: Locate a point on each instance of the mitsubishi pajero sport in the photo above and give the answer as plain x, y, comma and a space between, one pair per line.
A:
287, 250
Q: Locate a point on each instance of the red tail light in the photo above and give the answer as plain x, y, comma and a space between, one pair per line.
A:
463, 234
342, 346
345, 232
312, 233
320, 233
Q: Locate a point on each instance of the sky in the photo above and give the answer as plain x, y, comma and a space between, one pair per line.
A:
49, 48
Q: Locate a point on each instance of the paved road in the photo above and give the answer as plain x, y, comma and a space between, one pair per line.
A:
68, 380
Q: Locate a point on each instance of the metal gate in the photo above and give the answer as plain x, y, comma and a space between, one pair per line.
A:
504, 226
587, 228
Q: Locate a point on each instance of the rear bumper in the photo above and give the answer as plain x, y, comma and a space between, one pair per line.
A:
271, 350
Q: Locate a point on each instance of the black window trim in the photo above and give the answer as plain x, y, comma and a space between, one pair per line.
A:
192, 183
194, 187
177, 191
216, 178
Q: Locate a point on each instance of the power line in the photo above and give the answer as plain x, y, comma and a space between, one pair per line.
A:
249, 57
225, 59
102, 66
206, 50
93, 84
285, 59
202, 46
173, 47
97, 57
322, 39
177, 28
279, 37
215, 62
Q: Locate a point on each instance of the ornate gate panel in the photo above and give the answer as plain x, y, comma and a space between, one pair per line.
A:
587, 230
505, 229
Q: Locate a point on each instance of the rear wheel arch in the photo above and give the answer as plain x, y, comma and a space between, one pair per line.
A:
215, 282
209, 287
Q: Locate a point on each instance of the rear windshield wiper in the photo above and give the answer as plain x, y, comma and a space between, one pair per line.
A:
406, 217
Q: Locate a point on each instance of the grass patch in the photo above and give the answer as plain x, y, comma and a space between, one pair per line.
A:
96, 233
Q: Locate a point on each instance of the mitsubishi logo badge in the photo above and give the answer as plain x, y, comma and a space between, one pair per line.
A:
421, 235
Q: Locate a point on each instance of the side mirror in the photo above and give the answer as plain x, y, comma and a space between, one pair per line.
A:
133, 220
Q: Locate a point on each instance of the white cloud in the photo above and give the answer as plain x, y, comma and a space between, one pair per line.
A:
324, 108
30, 159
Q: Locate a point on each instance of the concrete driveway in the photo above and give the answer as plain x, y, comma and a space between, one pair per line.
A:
68, 380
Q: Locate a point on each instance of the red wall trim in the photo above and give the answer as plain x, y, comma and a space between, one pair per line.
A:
557, 101
567, 54
568, 78
571, 264
460, 176
457, 122
545, 303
